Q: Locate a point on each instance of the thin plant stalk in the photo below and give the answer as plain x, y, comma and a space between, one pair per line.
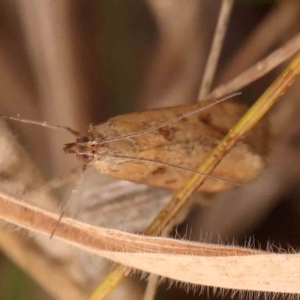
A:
181, 197
214, 54
258, 70
151, 288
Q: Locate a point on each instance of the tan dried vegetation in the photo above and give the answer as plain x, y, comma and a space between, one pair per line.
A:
66, 62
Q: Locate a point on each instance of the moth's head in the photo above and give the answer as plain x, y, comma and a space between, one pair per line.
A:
83, 148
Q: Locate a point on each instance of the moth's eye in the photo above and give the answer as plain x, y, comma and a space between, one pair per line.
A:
86, 159
83, 139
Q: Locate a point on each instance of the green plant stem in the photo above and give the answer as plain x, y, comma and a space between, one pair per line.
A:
180, 198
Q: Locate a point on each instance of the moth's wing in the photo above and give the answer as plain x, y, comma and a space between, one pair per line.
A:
185, 143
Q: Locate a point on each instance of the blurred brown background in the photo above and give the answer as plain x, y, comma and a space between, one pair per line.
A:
73, 63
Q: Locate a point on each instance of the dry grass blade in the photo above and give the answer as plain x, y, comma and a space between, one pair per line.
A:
216, 48
170, 211
178, 260
258, 70
96, 239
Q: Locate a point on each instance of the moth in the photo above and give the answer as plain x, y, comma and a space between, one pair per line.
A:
136, 147
162, 147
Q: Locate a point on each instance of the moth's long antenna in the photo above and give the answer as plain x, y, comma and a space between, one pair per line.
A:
168, 165
43, 124
166, 123
74, 190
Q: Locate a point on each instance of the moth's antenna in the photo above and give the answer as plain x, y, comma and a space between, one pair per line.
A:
166, 123
168, 165
74, 190
43, 124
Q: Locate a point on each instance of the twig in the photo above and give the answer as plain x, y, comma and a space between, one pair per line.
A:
181, 197
259, 69
216, 48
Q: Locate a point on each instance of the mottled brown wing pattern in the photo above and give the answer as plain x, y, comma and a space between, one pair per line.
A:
184, 143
